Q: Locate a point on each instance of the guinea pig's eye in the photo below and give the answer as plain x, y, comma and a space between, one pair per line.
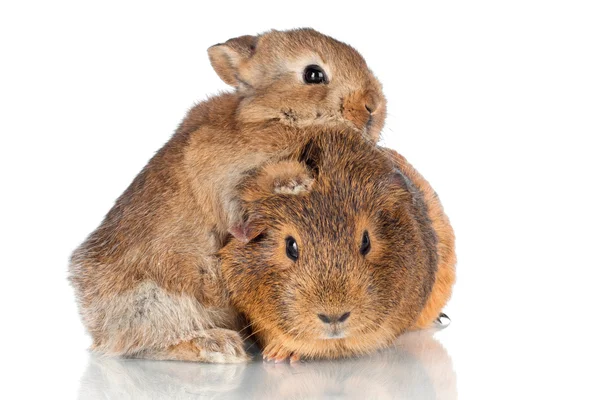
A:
313, 74
365, 245
291, 248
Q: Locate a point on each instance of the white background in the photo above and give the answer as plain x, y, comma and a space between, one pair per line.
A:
496, 103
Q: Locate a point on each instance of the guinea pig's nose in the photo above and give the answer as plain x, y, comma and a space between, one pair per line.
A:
332, 319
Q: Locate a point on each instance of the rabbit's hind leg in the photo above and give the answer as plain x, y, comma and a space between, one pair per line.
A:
149, 322
217, 345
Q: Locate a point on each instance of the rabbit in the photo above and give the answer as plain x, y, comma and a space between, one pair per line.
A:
348, 248
147, 280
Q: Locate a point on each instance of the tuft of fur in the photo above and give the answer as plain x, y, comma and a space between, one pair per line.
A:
400, 284
147, 280
285, 177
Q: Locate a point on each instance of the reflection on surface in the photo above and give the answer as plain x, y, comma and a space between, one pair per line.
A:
418, 367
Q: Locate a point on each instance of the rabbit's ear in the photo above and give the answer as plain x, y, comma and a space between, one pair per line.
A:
226, 57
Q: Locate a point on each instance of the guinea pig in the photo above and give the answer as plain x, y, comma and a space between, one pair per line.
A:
349, 248
147, 279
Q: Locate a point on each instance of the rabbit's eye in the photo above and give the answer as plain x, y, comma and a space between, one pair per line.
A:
313, 74
291, 248
365, 245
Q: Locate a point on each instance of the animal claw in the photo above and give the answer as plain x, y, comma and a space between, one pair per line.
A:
443, 320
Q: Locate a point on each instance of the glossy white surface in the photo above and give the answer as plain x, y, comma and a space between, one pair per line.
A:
417, 368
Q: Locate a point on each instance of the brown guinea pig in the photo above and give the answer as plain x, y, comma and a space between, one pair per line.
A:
350, 248
147, 279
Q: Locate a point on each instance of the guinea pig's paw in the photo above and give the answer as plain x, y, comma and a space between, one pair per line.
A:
220, 345
276, 353
442, 321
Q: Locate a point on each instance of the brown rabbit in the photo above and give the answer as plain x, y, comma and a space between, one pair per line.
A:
349, 248
147, 279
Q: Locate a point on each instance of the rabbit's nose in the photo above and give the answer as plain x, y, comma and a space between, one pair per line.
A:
372, 102
332, 319
371, 105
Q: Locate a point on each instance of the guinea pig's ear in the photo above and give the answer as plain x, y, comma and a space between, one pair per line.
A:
247, 230
284, 177
399, 179
227, 57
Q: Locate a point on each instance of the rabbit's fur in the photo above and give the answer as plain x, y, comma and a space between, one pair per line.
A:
147, 280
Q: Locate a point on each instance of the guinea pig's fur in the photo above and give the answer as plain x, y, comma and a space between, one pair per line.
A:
147, 280
337, 297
